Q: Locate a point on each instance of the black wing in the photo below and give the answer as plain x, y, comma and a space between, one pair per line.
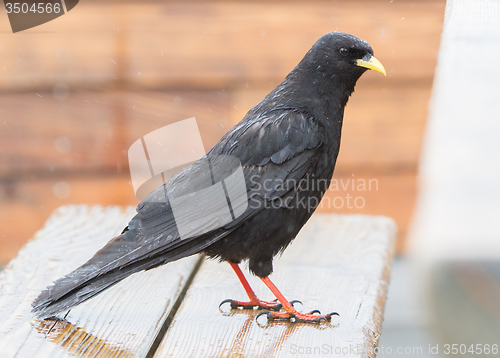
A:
273, 147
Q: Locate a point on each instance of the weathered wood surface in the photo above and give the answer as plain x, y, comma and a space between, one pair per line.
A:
337, 263
121, 322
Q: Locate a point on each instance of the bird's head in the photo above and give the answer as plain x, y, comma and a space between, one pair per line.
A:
342, 58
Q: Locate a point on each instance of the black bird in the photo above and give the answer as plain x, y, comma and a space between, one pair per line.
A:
287, 146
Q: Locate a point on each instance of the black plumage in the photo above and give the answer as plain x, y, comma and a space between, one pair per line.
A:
292, 136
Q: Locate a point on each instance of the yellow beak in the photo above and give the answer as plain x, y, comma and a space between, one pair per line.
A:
372, 64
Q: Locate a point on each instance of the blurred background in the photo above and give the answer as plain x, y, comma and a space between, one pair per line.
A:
76, 92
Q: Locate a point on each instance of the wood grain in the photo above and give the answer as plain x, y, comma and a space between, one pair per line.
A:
26, 205
121, 322
338, 262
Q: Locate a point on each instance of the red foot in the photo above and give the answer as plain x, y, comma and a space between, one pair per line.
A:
290, 314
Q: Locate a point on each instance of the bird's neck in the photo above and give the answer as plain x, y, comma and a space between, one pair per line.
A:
321, 99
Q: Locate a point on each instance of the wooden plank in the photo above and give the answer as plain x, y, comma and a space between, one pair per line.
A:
26, 205
216, 44
121, 322
338, 262
373, 193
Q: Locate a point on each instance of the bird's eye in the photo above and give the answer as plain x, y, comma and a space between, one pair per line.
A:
343, 51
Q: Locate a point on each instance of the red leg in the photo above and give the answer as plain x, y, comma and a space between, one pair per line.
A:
291, 312
254, 301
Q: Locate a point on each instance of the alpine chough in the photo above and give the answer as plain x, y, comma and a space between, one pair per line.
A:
290, 138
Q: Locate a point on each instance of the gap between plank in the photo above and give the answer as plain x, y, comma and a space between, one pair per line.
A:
173, 311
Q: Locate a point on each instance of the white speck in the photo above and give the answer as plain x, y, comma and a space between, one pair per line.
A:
39, 95
60, 91
63, 55
236, 29
160, 144
403, 18
235, 107
113, 61
62, 144
161, 53
157, 114
221, 125
139, 73
133, 106
61, 189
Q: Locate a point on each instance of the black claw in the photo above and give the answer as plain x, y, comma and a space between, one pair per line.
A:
315, 311
295, 301
329, 315
267, 313
322, 319
226, 301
